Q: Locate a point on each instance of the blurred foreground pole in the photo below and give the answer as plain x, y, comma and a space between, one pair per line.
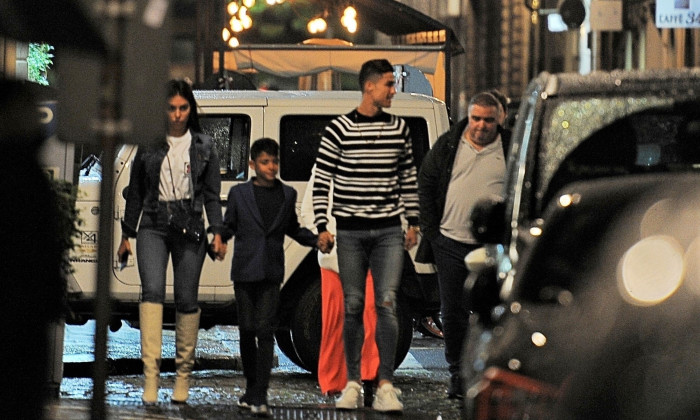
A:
109, 127
132, 94
112, 90
104, 261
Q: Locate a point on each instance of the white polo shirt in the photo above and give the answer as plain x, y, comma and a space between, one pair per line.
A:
475, 175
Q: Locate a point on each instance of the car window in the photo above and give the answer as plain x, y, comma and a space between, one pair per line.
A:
521, 159
231, 135
300, 136
419, 137
656, 140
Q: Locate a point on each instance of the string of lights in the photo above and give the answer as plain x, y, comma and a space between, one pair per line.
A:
240, 20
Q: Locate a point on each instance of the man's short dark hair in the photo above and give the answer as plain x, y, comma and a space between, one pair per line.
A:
374, 69
264, 144
485, 99
503, 99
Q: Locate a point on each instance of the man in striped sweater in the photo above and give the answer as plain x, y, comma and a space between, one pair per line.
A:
367, 155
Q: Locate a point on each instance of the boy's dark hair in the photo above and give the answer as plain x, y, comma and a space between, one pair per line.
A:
373, 69
264, 144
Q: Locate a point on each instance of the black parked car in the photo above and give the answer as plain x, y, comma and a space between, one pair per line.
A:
593, 262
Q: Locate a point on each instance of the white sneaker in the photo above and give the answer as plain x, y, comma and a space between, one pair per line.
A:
259, 410
351, 398
386, 399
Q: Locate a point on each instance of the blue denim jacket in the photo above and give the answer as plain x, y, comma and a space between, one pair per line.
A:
142, 194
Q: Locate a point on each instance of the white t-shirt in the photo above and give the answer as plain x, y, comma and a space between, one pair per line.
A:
177, 163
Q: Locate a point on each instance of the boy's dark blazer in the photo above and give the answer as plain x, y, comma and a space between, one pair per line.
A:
258, 253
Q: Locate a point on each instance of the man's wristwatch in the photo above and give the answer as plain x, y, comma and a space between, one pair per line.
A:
415, 228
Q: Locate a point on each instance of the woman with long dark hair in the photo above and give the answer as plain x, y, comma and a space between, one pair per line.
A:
171, 183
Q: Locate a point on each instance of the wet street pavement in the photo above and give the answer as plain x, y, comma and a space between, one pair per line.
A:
217, 382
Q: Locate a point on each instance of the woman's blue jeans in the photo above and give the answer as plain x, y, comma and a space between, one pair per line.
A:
380, 250
154, 246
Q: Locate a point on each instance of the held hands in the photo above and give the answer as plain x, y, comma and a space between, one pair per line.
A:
410, 239
325, 242
218, 247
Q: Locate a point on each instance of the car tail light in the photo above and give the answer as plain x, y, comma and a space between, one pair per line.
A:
502, 394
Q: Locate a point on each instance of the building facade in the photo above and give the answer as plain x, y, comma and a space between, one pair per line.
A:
506, 43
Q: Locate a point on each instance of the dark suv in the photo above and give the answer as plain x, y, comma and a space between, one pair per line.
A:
587, 295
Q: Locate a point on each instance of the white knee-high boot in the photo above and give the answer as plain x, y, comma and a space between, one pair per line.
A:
186, 331
151, 325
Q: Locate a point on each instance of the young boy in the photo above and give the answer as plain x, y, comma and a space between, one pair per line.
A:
259, 214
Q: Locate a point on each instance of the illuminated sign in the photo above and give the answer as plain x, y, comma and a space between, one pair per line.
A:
678, 13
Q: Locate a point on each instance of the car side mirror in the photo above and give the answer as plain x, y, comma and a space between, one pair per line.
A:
488, 221
482, 286
478, 260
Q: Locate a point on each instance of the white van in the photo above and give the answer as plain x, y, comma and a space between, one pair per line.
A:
235, 119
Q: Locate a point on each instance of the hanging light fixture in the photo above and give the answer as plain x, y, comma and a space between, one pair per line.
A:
349, 20
239, 20
236, 24
317, 25
232, 8
246, 20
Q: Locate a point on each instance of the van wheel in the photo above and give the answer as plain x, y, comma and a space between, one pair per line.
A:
403, 344
284, 342
306, 329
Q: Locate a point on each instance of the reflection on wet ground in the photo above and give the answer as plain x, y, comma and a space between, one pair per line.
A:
217, 382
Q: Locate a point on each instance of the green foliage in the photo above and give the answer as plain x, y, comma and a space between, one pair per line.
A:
68, 219
39, 61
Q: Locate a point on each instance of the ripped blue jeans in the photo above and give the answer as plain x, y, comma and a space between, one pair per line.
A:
380, 250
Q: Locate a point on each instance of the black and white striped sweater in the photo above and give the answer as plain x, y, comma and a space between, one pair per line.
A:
369, 160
